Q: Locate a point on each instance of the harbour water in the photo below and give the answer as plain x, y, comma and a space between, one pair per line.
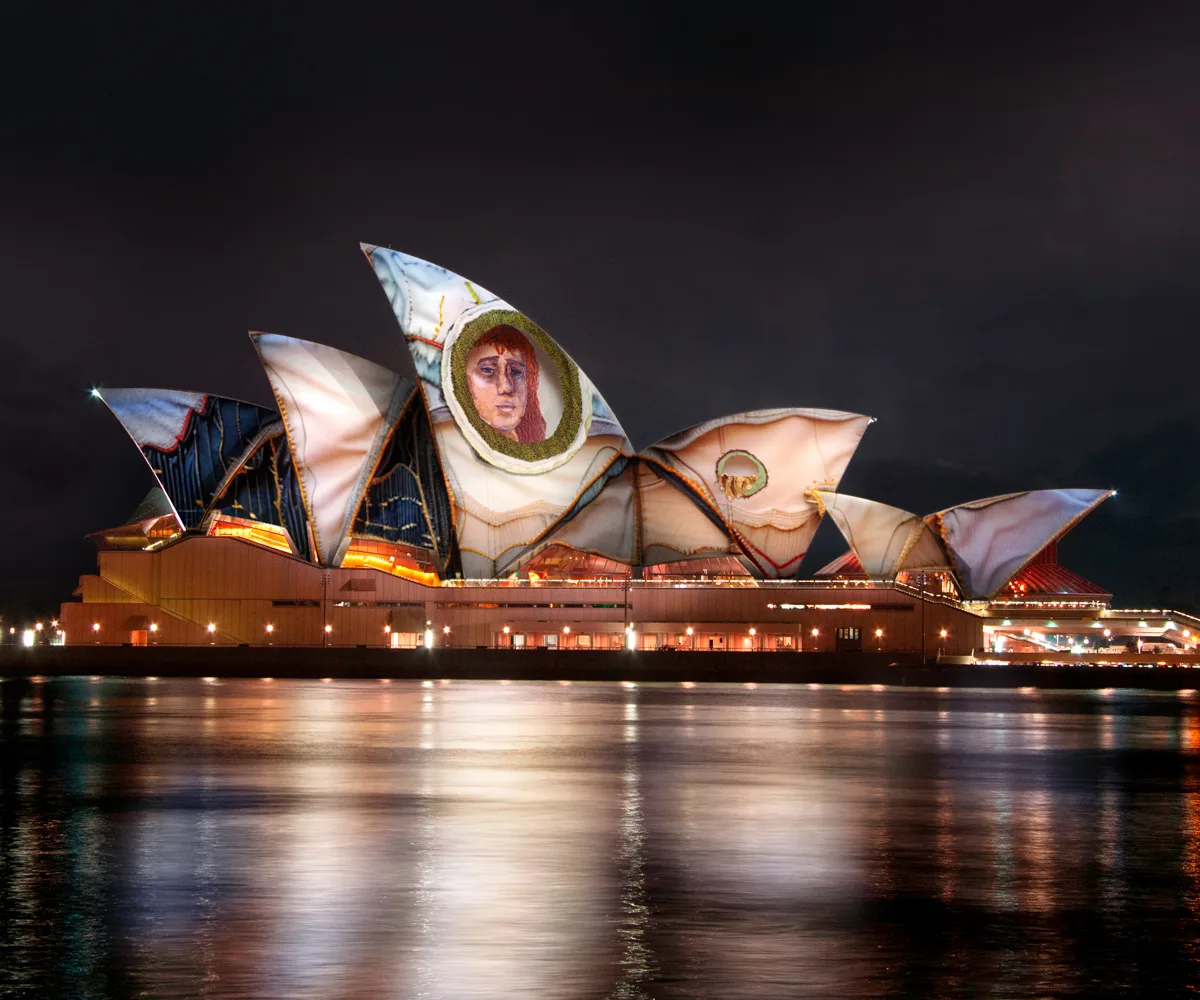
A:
191, 838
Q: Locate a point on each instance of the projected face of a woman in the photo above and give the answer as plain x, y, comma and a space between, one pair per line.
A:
498, 378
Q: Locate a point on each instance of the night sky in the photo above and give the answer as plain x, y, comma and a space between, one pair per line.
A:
978, 222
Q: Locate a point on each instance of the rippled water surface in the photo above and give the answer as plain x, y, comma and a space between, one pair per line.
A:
359, 839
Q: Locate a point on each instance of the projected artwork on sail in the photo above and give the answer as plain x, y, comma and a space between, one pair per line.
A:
520, 429
760, 470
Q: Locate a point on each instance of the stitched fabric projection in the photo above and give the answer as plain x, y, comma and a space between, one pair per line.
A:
563, 369
191, 441
406, 501
338, 410
520, 430
267, 489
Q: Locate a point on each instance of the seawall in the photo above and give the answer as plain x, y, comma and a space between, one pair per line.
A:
545, 665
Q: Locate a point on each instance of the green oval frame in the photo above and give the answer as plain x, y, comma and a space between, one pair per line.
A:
568, 380
762, 479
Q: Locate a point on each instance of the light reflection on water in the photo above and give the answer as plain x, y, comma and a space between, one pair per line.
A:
494, 840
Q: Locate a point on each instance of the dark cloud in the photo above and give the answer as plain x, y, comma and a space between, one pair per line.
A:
976, 222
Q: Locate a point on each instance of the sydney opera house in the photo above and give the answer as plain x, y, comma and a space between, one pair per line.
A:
491, 498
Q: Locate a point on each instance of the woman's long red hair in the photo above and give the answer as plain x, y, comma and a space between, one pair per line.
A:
509, 339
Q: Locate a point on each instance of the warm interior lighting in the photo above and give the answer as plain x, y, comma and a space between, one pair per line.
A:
397, 560
270, 536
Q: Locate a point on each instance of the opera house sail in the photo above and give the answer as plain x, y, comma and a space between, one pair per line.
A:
497, 462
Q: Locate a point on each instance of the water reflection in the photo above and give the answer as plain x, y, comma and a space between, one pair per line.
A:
636, 961
183, 839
